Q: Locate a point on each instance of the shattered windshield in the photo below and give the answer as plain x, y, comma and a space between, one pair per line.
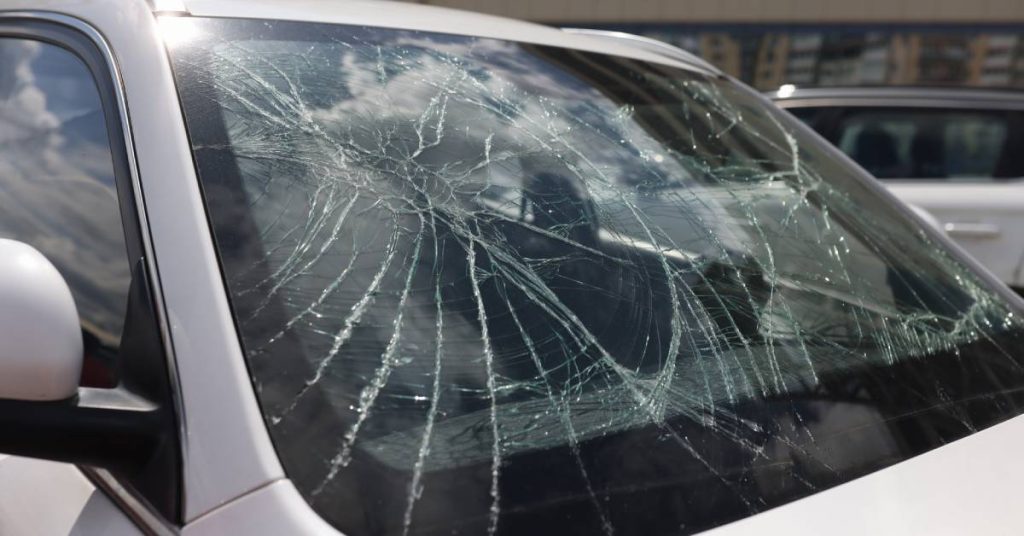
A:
488, 287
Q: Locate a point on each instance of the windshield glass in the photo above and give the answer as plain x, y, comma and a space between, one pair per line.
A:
494, 287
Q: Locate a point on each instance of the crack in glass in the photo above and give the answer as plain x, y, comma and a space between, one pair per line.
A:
487, 251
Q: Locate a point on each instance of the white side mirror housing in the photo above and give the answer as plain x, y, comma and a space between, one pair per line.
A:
40, 338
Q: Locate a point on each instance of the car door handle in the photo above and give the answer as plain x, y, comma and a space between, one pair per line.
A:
972, 229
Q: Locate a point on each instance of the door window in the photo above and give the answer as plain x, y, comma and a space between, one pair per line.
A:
929, 144
57, 190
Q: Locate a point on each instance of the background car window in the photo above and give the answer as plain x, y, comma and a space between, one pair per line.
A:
807, 115
927, 144
57, 189
488, 287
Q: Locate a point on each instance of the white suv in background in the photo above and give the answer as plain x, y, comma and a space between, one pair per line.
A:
952, 153
379, 268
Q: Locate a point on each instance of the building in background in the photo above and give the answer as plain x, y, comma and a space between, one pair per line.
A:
768, 43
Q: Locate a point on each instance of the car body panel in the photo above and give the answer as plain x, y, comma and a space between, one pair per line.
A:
276, 508
49, 498
983, 216
985, 219
967, 487
226, 449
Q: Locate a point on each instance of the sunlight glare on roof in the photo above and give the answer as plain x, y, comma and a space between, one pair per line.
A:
176, 30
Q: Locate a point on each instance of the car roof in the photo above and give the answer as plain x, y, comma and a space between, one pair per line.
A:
914, 96
408, 16
648, 43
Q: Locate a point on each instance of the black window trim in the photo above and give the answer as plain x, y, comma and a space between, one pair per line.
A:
88, 45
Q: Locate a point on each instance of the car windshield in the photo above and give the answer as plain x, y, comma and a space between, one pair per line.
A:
496, 287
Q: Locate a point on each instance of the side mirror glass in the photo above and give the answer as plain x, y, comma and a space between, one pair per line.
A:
40, 337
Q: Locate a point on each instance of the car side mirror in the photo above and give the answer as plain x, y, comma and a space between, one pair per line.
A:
40, 338
129, 430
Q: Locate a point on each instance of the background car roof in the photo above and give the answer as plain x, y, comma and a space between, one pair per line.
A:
900, 95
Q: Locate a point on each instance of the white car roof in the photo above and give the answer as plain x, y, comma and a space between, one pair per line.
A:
432, 19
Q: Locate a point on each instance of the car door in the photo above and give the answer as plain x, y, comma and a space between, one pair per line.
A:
957, 165
62, 191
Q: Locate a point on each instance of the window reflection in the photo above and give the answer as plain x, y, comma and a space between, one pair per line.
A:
57, 189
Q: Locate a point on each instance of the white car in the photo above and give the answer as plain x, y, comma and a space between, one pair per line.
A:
951, 153
379, 268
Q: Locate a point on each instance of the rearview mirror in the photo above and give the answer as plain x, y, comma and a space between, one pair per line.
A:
129, 429
40, 338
